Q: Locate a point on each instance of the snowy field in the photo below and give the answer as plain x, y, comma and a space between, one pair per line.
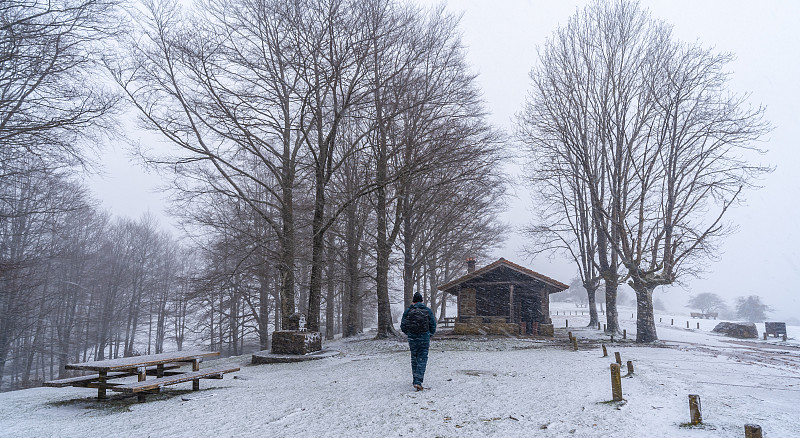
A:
476, 387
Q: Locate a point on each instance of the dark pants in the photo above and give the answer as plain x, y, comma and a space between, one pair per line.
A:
419, 357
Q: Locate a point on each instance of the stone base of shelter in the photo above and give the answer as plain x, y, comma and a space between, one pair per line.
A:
497, 328
295, 342
479, 328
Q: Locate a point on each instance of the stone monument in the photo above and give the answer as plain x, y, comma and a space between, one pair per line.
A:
294, 338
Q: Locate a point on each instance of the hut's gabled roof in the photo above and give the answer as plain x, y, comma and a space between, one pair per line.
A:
556, 286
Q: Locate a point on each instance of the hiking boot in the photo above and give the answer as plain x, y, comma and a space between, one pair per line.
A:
418, 387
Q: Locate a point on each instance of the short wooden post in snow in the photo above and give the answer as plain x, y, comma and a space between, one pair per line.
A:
605, 351
599, 327
694, 410
624, 334
604, 327
575, 344
630, 367
141, 374
672, 322
566, 323
618, 358
765, 336
752, 431
569, 334
698, 326
616, 383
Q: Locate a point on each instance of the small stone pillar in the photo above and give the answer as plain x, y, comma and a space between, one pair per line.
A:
294, 339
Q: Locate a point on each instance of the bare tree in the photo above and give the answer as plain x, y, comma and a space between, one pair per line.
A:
668, 136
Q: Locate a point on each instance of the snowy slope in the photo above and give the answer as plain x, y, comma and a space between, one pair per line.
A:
478, 387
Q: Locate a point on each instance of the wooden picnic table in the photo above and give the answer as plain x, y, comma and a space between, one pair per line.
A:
160, 365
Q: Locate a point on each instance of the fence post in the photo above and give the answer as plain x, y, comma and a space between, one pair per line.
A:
694, 410
569, 334
616, 383
752, 431
566, 324
605, 352
630, 367
624, 334
575, 344
687, 324
765, 336
598, 325
617, 358
672, 321
698, 326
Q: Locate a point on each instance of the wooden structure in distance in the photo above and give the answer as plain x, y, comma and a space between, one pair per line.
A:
503, 298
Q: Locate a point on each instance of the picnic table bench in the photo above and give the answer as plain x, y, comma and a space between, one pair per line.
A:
161, 365
448, 322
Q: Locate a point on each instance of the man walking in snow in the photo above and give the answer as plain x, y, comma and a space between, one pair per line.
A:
419, 324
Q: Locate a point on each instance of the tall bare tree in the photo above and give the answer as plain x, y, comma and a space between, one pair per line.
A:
648, 124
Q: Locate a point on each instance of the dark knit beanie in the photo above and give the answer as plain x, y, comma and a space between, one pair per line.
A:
417, 298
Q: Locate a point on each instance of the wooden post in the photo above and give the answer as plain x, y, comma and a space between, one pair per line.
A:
630, 367
160, 370
570, 336
142, 376
659, 319
196, 382
752, 431
605, 352
698, 326
616, 383
624, 334
566, 324
694, 410
784, 336
599, 327
672, 322
575, 344
765, 336
101, 389
631, 315
687, 324
604, 327
617, 358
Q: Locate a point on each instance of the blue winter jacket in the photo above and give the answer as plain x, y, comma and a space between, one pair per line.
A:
421, 336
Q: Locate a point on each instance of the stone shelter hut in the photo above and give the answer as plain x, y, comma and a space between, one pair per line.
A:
503, 298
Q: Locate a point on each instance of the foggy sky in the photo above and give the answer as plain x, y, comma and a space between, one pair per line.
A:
502, 36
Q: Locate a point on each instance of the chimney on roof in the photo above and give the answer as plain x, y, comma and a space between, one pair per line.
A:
470, 264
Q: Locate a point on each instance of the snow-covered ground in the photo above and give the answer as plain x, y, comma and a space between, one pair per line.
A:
477, 387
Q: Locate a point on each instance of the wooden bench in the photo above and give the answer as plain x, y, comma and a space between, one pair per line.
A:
775, 328
88, 380
708, 315
157, 384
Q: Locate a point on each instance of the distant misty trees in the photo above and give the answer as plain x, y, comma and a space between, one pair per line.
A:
637, 150
707, 302
752, 309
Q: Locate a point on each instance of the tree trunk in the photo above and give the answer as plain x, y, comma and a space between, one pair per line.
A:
590, 293
330, 316
645, 320
612, 321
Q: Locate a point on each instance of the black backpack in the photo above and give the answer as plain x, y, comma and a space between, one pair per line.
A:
418, 320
